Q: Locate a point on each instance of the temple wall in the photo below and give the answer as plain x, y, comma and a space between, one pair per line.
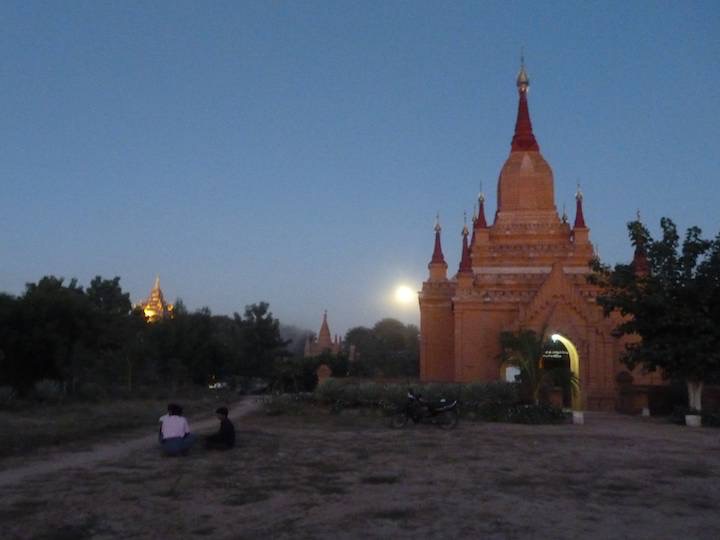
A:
477, 339
437, 341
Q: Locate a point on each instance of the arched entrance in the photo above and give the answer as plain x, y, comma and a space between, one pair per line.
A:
574, 368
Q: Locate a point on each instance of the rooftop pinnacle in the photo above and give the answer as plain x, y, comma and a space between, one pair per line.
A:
523, 139
579, 218
324, 336
465, 263
480, 222
437, 256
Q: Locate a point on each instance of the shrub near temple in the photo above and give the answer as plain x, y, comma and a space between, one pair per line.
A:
491, 402
475, 397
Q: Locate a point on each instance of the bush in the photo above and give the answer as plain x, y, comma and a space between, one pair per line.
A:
7, 396
679, 412
535, 414
350, 393
711, 418
251, 385
328, 391
491, 402
489, 411
92, 392
280, 404
48, 390
485, 399
476, 394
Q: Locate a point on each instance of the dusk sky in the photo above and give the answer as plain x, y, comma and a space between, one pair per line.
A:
297, 152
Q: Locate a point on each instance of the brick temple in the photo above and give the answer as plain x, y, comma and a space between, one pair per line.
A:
525, 270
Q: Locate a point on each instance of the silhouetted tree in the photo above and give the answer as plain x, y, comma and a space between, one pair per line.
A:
261, 341
674, 308
390, 348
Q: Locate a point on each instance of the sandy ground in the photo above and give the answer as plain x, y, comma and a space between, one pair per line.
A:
351, 477
53, 461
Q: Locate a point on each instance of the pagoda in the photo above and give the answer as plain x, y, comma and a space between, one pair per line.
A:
525, 270
155, 308
324, 342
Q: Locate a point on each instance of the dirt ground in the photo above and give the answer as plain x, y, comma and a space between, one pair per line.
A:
353, 477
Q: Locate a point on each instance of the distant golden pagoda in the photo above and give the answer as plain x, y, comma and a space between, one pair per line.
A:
155, 307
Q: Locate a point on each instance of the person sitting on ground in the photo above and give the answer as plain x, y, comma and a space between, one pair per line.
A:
224, 439
175, 436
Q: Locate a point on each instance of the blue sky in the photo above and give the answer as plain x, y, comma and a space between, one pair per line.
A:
297, 152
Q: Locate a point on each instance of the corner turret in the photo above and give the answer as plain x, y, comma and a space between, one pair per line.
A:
437, 265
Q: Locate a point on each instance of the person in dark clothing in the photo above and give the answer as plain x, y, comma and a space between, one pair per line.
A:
224, 439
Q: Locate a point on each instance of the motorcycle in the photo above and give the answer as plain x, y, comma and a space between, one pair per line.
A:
443, 413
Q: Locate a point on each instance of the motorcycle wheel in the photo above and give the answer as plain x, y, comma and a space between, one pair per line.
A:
398, 421
448, 420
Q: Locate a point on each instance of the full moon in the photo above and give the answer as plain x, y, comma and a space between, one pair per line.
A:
405, 295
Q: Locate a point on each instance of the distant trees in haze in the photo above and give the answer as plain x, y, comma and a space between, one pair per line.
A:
390, 348
91, 342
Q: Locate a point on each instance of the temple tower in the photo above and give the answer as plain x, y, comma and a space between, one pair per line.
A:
525, 270
155, 308
324, 341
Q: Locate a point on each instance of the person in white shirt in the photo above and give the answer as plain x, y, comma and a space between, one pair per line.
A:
175, 436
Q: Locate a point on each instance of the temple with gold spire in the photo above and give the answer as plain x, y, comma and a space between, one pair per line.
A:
155, 308
525, 270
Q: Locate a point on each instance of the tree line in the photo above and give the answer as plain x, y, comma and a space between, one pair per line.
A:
90, 340
92, 337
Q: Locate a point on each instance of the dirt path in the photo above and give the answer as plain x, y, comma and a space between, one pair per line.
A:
107, 452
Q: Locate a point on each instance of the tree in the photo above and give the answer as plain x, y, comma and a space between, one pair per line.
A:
261, 340
524, 350
673, 307
389, 347
61, 321
107, 296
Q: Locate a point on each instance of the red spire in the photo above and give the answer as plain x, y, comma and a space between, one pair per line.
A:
437, 256
324, 338
480, 222
474, 220
523, 140
465, 264
579, 218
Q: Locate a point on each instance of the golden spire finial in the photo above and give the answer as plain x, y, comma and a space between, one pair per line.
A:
157, 282
523, 81
475, 212
578, 193
564, 215
465, 229
438, 228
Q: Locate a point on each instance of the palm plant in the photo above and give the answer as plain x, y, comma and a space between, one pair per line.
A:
524, 349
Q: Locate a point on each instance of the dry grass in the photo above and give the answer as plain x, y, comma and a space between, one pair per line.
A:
26, 429
330, 477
